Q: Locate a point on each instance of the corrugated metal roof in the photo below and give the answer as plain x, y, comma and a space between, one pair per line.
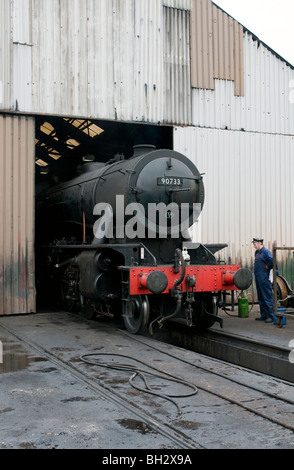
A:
17, 169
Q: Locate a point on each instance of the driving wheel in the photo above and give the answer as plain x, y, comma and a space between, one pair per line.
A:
137, 313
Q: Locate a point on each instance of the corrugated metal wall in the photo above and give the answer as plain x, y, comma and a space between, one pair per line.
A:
248, 184
17, 176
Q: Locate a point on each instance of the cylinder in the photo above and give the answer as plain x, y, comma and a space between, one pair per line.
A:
243, 308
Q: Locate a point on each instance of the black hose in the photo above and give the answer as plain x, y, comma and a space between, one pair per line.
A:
183, 273
172, 315
177, 282
141, 373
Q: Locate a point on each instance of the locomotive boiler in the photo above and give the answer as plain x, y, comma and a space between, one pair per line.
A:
115, 241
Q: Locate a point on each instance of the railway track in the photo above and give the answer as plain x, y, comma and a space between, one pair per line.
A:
179, 439
258, 356
183, 396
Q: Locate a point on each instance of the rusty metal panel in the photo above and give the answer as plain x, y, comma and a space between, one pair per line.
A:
223, 45
239, 71
216, 47
202, 45
17, 141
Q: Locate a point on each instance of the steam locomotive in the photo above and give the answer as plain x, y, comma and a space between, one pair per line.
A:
115, 241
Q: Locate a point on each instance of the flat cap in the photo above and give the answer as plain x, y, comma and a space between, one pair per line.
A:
257, 240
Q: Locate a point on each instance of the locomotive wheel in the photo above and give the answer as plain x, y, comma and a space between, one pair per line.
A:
201, 308
136, 317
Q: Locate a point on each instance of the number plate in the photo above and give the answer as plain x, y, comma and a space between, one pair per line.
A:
169, 181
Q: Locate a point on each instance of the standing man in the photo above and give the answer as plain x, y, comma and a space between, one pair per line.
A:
262, 266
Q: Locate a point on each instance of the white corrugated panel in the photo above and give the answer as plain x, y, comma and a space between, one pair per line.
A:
148, 68
73, 57
162, 88
177, 70
266, 106
17, 165
248, 184
98, 59
22, 21
5, 55
180, 4
123, 63
22, 73
98, 55
127, 60
22, 54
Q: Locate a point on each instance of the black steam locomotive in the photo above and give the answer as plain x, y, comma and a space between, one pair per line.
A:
115, 241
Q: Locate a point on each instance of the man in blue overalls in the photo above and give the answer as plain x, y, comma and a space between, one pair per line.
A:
262, 266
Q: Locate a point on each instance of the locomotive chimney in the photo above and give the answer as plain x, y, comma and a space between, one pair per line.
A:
142, 149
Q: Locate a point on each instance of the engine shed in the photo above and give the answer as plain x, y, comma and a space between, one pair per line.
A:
81, 82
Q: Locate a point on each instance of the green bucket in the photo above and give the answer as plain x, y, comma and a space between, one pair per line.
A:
243, 308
